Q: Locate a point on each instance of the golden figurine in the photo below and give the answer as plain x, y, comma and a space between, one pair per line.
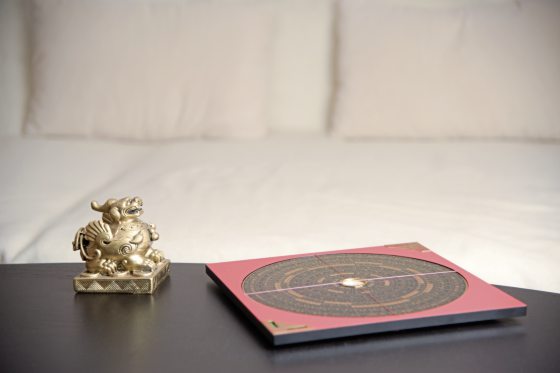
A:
118, 251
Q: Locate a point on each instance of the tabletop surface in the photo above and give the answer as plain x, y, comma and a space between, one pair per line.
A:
189, 325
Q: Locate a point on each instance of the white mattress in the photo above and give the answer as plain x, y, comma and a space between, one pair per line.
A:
493, 208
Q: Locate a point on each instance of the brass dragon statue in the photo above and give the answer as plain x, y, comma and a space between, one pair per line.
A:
120, 243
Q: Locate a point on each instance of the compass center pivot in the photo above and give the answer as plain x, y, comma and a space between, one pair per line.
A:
352, 282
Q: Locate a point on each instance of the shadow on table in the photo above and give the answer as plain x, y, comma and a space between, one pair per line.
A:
126, 320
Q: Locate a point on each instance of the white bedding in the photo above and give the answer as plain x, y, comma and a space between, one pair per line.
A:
492, 207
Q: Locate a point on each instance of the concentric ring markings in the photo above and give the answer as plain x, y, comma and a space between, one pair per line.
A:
392, 285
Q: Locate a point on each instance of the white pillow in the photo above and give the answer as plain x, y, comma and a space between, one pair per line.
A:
301, 76
447, 69
13, 65
149, 69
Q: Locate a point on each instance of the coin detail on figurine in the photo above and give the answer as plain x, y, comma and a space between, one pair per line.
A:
118, 252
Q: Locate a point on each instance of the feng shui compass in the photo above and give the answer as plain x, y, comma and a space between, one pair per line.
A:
354, 285
350, 292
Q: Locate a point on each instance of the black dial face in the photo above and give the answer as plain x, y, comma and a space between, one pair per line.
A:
354, 285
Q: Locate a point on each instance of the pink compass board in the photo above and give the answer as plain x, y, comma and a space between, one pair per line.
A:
333, 294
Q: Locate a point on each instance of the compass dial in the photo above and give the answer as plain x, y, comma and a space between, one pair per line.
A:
354, 285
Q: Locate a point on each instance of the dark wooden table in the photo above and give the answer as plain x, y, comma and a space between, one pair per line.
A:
190, 326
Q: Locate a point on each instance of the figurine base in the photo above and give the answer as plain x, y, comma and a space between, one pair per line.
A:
129, 284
